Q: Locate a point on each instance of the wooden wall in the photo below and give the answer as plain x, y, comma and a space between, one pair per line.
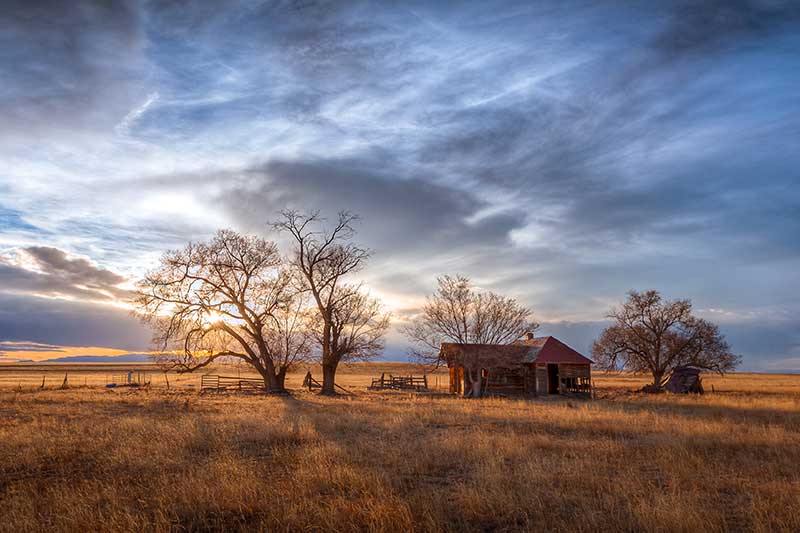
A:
568, 370
541, 379
530, 380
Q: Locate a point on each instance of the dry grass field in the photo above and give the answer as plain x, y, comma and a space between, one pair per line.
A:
87, 458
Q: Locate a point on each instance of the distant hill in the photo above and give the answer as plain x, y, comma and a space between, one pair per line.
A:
128, 358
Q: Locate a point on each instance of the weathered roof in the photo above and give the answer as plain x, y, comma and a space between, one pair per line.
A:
486, 355
537, 350
552, 350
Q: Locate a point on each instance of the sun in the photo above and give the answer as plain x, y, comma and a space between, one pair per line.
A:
211, 317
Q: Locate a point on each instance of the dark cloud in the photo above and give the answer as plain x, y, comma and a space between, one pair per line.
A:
79, 270
73, 64
57, 274
721, 25
24, 318
17, 346
400, 214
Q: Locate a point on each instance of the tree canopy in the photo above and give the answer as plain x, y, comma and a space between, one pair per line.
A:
228, 297
652, 335
458, 313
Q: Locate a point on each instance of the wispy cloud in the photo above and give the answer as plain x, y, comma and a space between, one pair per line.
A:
124, 127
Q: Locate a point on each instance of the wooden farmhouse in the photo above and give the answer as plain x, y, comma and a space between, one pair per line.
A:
533, 366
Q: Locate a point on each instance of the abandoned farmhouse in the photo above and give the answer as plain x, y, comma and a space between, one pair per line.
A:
534, 366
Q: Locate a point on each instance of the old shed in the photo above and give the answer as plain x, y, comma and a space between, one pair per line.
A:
542, 365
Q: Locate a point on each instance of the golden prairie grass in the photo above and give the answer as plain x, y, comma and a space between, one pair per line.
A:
91, 459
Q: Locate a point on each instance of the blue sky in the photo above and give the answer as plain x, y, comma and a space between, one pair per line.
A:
559, 152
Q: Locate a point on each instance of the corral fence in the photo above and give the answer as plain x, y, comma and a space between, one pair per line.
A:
131, 378
390, 382
212, 382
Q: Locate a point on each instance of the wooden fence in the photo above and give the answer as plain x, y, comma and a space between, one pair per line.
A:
210, 382
391, 382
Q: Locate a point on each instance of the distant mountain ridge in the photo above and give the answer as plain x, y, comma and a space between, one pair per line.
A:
127, 358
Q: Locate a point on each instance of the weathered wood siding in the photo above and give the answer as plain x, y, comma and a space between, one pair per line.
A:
567, 370
574, 378
530, 379
541, 379
506, 380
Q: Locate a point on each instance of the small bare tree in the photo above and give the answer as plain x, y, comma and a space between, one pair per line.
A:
458, 313
653, 335
227, 298
349, 324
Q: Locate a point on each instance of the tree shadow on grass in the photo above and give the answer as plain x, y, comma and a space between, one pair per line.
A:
687, 411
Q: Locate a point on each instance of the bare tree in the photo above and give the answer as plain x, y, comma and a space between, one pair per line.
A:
227, 298
458, 313
653, 335
349, 324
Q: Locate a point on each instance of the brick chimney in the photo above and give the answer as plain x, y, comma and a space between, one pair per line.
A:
529, 336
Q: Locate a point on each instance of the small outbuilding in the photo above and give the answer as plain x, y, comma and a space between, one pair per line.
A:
533, 366
684, 380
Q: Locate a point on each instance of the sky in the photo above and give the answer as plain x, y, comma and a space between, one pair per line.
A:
562, 153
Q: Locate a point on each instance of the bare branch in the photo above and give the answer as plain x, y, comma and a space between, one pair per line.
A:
457, 313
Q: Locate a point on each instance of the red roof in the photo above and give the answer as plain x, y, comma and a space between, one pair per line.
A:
552, 350
536, 350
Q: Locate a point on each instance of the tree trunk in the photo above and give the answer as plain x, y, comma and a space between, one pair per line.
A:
468, 383
477, 385
328, 378
281, 378
658, 377
329, 362
472, 385
272, 382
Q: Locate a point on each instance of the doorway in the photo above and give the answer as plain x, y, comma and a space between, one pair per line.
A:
552, 378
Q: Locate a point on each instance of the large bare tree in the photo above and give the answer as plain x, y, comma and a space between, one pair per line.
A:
652, 335
349, 324
458, 313
227, 298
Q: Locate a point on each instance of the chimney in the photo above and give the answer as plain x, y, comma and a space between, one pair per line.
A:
529, 336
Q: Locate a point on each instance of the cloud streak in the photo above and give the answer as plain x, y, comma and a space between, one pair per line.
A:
124, 127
